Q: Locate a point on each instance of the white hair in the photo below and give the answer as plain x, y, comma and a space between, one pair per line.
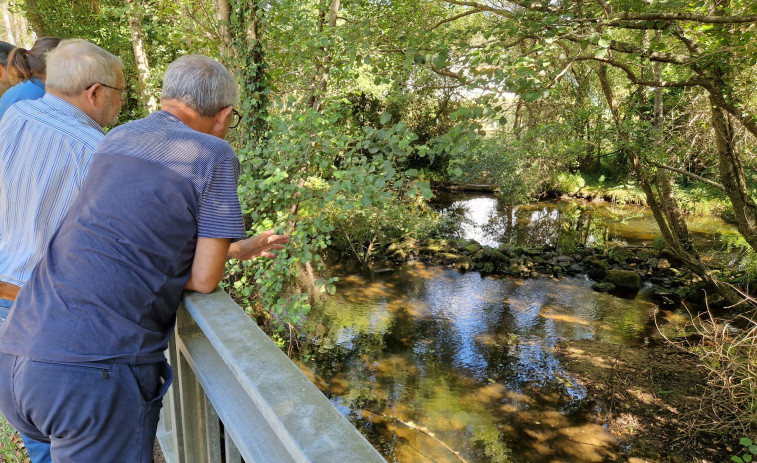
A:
76, 64
200, 83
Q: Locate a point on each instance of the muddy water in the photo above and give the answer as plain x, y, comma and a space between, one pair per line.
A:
434, 365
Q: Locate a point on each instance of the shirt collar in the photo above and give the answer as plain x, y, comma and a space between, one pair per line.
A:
38, 82
64, 106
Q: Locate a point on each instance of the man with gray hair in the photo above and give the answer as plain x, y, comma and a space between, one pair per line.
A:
45, 149
81, 354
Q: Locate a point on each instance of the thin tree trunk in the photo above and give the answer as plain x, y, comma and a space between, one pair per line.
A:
223, 16
670, 233
662, 177
140, 56
7, 21
323, 69
517, 121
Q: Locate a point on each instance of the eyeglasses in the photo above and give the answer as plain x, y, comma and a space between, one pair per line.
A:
122, 91
236, 118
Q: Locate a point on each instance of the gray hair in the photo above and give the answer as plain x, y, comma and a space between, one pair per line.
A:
76, 64
200, 83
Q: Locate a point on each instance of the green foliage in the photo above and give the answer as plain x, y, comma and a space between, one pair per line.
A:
749, 453
363, 231
744, 272
9, 440
565, 182
309, 164
659, 243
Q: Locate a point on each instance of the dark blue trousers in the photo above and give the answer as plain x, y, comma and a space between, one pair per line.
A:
39, 452
89, 412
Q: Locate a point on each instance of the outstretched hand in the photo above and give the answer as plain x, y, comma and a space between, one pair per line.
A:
257, 246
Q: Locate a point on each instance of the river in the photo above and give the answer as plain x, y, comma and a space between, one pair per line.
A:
435, 365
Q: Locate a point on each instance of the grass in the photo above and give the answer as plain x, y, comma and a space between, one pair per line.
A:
11, 446
694, 199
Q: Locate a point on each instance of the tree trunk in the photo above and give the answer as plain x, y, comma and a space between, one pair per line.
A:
732, 175
245, 34
223, 16
140, 56
729, 163
323, 69
7, 21
671, 231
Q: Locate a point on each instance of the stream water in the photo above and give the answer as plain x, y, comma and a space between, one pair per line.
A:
435, 365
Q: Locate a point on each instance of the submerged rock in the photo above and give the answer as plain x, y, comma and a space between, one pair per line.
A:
603, 287
464, 263
625, 279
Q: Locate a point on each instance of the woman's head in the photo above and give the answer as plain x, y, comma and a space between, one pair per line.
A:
25, 64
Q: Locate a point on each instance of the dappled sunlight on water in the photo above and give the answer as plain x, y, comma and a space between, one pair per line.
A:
428, 361
435, 365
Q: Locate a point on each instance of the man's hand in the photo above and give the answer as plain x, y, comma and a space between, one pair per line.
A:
257, 246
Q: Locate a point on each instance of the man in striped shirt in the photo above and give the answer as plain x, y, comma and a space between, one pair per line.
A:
46, 146
81, 354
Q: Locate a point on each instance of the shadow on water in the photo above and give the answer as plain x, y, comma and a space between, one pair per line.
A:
434, 365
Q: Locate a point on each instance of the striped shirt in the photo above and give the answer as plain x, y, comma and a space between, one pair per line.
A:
109, 285
46, 146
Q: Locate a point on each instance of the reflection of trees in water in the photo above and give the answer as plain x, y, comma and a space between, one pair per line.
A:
561, 225
438, 348
558, 225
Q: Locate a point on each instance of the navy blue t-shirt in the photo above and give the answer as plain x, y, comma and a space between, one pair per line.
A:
111, 281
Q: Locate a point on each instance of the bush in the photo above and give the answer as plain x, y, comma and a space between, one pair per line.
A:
566, 183
362, 232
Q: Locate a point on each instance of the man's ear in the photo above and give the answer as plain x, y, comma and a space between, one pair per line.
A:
220, 120
93, 93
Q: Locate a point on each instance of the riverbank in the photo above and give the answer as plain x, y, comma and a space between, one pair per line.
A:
619, 270
649, 398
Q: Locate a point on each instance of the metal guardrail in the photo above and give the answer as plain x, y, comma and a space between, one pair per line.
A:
237, 397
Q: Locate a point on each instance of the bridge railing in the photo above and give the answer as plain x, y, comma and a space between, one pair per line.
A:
237, 397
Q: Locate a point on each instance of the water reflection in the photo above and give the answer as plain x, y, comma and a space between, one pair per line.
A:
563, 223
433, 365
428, 361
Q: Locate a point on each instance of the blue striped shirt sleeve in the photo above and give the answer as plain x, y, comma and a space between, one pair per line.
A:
219, 213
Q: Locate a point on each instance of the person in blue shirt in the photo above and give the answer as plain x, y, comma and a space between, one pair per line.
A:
82, 362
26, 72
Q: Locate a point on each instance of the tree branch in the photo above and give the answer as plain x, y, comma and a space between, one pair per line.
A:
648, 83
689, 174
446, 73
749, 121
480, 7
705, 19
455, 18
670, 58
